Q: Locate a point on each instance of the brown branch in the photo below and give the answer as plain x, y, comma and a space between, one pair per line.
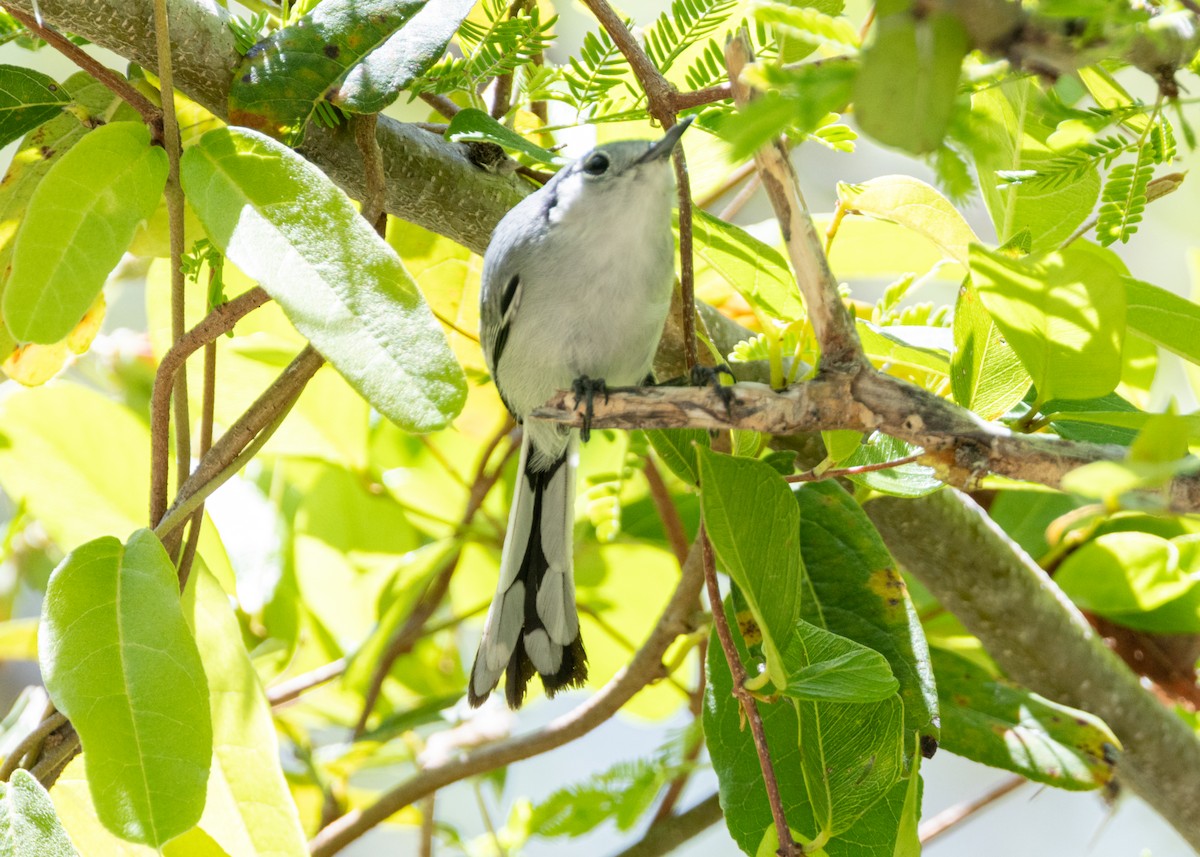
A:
208, 409
645, 667
832, 324
960, 446
150, 114
375, 197
667, 513
31, 744
681, 101
60, 747
441, 104
220, 321
949, 817
665, 836
249, 432
286, 691
787, 846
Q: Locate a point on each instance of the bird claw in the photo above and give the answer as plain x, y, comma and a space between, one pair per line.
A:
710, 376
585, 390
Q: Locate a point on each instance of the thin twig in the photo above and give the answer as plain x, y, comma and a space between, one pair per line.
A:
787, 846
31, 743
646, 666
743, 196
699, 97
948, 818
248, 434
832, 325
665, 836
441, 104
853, 471
208, 409
735, 178
150, 113
174, 197
286, 691
59, 749
218, 322
667, 513
427, 825
375, 197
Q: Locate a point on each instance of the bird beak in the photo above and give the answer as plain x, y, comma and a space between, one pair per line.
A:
664, 147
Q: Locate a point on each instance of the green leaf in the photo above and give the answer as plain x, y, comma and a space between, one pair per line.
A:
985, 373
906, 480
79, 221
676, 448
884, 345
854, 589
1009, 134
29, 826
356, 54
285, 224
796, 102
472, 124
257, 814
990, 720
876, 833
1107, 419
826, 667
912, 204
70, 455
1063, 314
909, 79
27, 99
754, 525
142, 713
1163, 317
1135, 579
757, 271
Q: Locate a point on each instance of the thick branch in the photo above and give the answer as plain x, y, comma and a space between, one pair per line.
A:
667, 835
1040, 640
430, 182
961, 447
645, 667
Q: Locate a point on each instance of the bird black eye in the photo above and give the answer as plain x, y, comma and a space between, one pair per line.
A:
596, 164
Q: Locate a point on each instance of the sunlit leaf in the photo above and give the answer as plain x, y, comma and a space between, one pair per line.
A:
79, 221
142, 714
356, 54
993, 721
913, 204
285, 224
28, 824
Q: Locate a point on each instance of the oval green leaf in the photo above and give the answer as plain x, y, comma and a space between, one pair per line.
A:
79, 221
29, 826
282, 222
1124, 573
985, 373
357, 54
1164, 318
754, 525
118, 659
472, 125
914, 204
1063, 314
757, 271
27, 99
996, 723
827, 667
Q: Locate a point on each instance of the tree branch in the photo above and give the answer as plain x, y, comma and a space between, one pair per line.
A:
1042, 641
665, 836
832, 324
960, 446
645, 667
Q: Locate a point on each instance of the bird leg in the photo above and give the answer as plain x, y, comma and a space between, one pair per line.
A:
585, 390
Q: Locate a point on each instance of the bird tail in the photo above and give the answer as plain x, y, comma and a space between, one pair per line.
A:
532, 626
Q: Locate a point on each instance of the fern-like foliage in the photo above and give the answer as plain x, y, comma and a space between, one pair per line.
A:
599, 68
687, 23
1072, 167
1124, 199
497, 46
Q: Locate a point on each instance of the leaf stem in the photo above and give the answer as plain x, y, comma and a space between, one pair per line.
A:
31, 743
787, 846
949, 817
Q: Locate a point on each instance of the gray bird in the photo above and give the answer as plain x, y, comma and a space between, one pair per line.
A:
576, 285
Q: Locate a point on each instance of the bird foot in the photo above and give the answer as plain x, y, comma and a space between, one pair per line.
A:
585, 390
